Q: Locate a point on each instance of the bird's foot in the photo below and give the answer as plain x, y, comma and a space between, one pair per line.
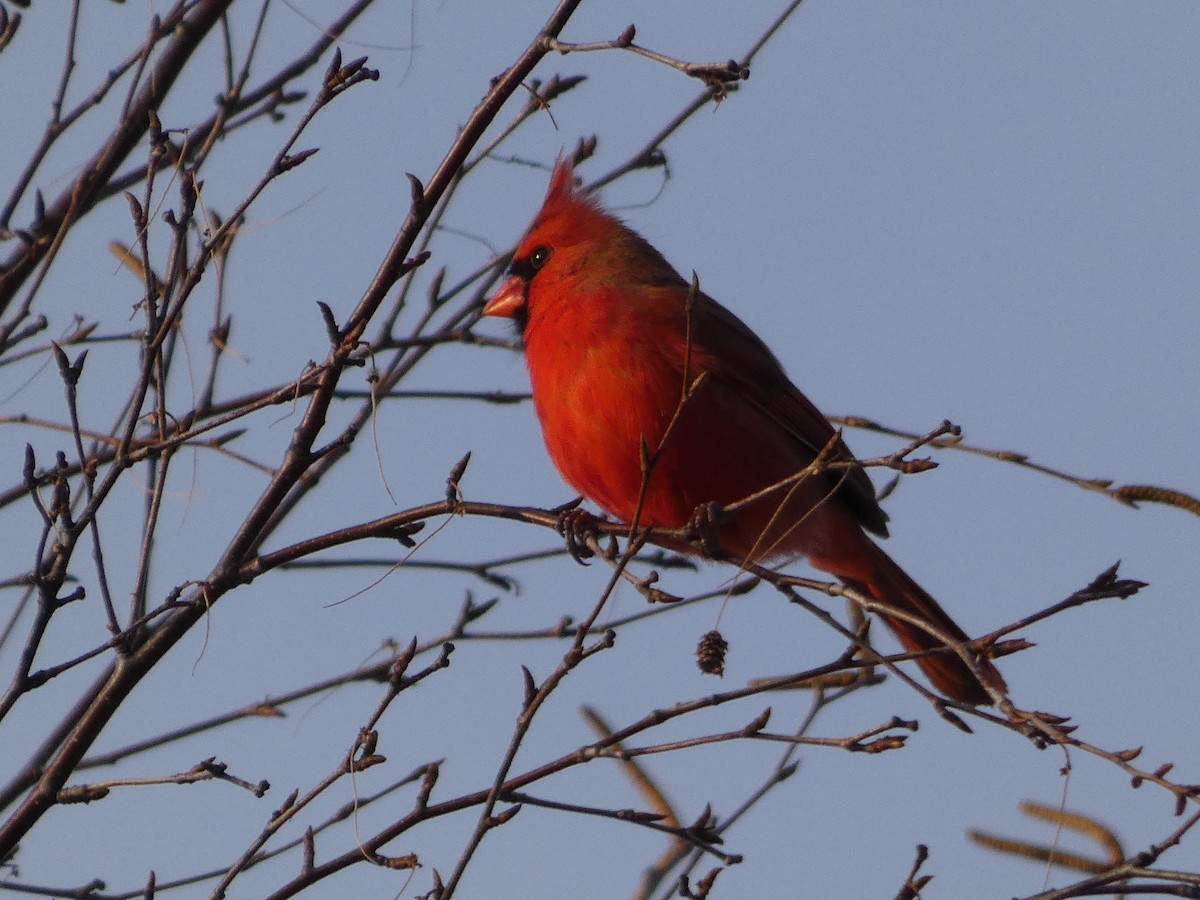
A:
576, 525
703, 528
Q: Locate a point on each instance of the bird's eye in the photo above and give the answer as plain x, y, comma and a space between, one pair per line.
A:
525, 267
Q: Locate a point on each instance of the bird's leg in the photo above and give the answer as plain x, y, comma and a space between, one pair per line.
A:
576, 525
702, 528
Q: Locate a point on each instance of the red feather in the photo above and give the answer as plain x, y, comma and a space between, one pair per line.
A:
612, 347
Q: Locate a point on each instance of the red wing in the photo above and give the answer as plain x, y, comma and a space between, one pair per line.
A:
747, 366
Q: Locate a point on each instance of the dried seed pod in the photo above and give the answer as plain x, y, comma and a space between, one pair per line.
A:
710, 653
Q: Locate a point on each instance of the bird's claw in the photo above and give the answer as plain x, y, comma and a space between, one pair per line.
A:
576, 525
703, 528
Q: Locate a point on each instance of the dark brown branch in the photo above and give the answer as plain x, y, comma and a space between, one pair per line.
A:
186, 36
1129, 494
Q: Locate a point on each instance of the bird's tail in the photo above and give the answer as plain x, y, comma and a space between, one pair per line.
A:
867, 569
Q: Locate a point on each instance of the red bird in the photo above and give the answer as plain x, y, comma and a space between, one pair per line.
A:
612, 347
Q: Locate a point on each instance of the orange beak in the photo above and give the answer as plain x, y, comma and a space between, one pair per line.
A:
509, 298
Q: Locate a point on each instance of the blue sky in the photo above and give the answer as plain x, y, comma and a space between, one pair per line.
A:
983, 212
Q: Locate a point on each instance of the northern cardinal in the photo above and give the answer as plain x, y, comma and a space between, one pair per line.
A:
612, 347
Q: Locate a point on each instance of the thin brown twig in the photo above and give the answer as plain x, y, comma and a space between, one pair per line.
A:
1128, 494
